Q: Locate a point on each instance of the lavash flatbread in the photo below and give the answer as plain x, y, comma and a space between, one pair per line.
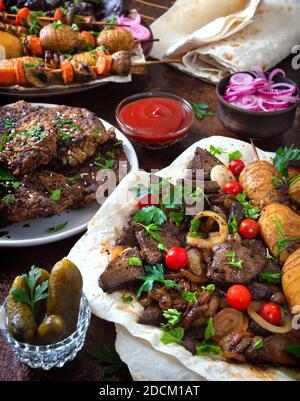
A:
265, 39
91, 254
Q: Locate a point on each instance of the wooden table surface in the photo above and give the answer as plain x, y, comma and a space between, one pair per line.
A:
103, 101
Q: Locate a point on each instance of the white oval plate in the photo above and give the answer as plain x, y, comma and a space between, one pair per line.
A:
22, 235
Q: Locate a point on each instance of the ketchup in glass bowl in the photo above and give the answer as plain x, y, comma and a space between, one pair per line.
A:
155, 119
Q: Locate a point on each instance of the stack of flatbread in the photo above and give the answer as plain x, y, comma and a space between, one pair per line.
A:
217, 37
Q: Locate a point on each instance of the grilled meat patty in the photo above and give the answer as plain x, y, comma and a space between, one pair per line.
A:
41, 194
79, 133
11, 115
30, 145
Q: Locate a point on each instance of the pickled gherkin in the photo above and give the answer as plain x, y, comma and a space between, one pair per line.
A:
51, 330
40, 307
21, 322
65, 289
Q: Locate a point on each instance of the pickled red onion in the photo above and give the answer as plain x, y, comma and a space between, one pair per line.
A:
254, 91
139, 31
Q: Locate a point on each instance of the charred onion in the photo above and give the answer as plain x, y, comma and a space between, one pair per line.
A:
286, 326
227, 321
214, 238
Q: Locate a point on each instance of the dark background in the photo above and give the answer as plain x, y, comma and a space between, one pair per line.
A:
103, 101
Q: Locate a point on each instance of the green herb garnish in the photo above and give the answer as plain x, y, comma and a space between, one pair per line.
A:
283, 156
201, 110
150, 214
35, 293
235, 155
215, 151
194, 228
56, 24
234, 262
250, 211
55, 194
209, 287
154, 273
173, 317
9, 200
127, 299
109, 357
206, 349
6, 175
259, 343
232, 224
57, 228
189, 296
75, 27
270, 277
133, 261
294, 349
173, 336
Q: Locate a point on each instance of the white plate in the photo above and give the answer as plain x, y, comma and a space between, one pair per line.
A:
36, 233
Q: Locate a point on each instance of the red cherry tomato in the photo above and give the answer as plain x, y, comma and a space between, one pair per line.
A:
238, 296
271, 312
176, 258
21, 16
236, 167
148, 200
233, 187
249, 228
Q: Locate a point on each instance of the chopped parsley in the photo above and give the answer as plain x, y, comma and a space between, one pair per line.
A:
75, 27
270, 277
56, 24
154, 273
232, 224
189, 296
57, 228
8, 123
250, 211
207, 347
294, 349
9, 200
36, 132
133, 261
235, 155
194, 228
173, 317
209, 287
150, 214
56, 194
201, 110
173, 336
234, 262
215, 151
283, 156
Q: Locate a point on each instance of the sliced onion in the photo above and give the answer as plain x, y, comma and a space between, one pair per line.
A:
274, 104
275, 72
286, 320
247, 102
227, 321
241, 79
139, 32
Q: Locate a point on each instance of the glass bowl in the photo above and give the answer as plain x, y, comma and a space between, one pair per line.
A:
154, 140
54, 355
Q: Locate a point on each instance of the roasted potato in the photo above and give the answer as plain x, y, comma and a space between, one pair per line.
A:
291, 280
115, 40
11, 44
61, 38
257, 181
271, 219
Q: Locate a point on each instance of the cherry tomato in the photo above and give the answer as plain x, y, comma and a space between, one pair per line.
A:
249, 228
2, 5
21, 16
271, 312
148, 200
238, 296
236, 167
58, 14
233, 187
176, 258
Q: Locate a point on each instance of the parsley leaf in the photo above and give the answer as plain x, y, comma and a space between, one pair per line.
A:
259, 343
283, 156
232, 224
109, 357
201, 110
55, 194
34, 293
150, 214
215, 151
173, 317
133, 261
270, 277
9, 200
189, 296
235, 155
235, 263
6, 175
154, 273
250, 211
127, 299
177, 217
194, 228
209, 287
209, 330
57, 228
206, 349
173, 336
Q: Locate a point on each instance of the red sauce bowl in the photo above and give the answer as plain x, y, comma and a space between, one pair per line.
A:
155, 119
